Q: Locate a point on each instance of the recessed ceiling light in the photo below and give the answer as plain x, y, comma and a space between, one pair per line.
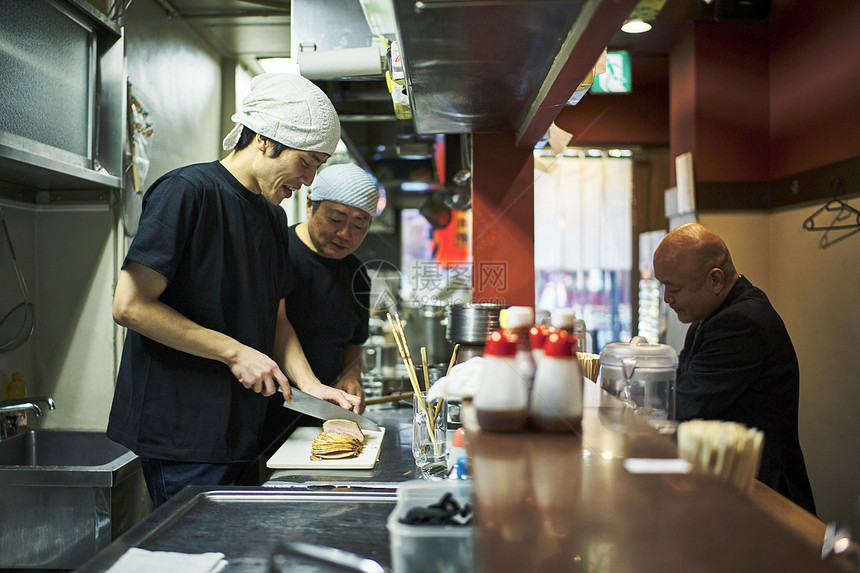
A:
635, 26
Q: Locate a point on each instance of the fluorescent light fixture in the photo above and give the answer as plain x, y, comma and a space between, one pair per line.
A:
620, 153
414, 186
635, 26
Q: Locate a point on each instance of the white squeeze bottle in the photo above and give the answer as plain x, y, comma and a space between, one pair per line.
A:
520, 321
502, 398
555, 404
565, 319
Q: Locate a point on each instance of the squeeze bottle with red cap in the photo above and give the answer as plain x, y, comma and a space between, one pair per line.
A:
520, 320
556, 399
537, 336
565, 319
502, 398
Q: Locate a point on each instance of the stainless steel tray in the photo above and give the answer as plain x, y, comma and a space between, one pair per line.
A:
248, 524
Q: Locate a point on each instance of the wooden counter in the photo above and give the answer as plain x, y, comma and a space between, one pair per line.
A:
553, 502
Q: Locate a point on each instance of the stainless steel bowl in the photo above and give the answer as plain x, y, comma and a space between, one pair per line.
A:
472, 323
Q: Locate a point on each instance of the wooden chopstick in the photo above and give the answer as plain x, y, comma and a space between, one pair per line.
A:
410, 365
410, 371
425, 368
389, 398
410, 368
453, 358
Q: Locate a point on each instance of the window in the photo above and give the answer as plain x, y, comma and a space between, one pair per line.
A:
583, 240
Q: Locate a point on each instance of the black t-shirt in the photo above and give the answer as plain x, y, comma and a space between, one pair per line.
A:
327, 302
223, 252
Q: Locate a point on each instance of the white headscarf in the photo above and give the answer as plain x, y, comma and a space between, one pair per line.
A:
348, 184
289, 109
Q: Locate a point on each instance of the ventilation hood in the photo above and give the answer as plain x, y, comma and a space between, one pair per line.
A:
481, 66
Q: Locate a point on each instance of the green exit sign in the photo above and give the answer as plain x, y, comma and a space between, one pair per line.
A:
616, 78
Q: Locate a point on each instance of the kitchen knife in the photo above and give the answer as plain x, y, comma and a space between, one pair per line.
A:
319, 408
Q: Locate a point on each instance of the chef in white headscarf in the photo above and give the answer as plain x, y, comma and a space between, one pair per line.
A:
331, 318
202, 295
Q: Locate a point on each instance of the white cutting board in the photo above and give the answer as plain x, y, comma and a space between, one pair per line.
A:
295, 453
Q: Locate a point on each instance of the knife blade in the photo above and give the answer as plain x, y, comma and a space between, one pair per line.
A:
319, 408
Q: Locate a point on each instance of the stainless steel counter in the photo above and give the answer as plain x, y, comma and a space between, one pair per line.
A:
345, 509
249, 525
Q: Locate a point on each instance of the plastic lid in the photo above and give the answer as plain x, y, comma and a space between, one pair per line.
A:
562, 317
645, 354
520, 316
459, 439
501, 343
560, 344
537, 336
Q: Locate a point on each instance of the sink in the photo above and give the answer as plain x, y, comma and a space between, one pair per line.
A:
65, 495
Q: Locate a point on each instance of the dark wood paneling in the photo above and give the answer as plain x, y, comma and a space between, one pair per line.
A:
805, 187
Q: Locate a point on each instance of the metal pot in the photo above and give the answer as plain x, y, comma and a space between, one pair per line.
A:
470, 324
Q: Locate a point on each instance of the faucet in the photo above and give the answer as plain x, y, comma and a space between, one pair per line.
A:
23, 401
16, 404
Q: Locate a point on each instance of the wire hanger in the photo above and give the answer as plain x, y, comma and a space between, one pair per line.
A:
843, 212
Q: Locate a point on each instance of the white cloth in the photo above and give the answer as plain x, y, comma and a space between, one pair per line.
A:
348, 184
289, 109
137, 560
462, 381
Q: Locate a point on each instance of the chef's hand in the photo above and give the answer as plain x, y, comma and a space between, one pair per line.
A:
342, 399
352, 387
258, 372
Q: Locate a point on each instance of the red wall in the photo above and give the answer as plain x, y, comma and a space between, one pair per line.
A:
769, 100
730, 99
814, 84
502, 221
640, 117
754, 102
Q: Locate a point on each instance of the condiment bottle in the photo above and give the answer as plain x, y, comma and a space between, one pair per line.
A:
537, 336
565, 319
16, 422
501, 401
457, 457
520, 320
555, 404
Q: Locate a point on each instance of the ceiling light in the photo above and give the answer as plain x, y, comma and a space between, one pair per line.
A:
635, 26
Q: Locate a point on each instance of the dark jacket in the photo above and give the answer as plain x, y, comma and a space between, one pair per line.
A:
739, 365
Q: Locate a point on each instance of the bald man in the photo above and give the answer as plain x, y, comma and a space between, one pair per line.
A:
738, 362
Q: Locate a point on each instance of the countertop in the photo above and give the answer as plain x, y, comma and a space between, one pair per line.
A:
565, 502
344, 509
544, 502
